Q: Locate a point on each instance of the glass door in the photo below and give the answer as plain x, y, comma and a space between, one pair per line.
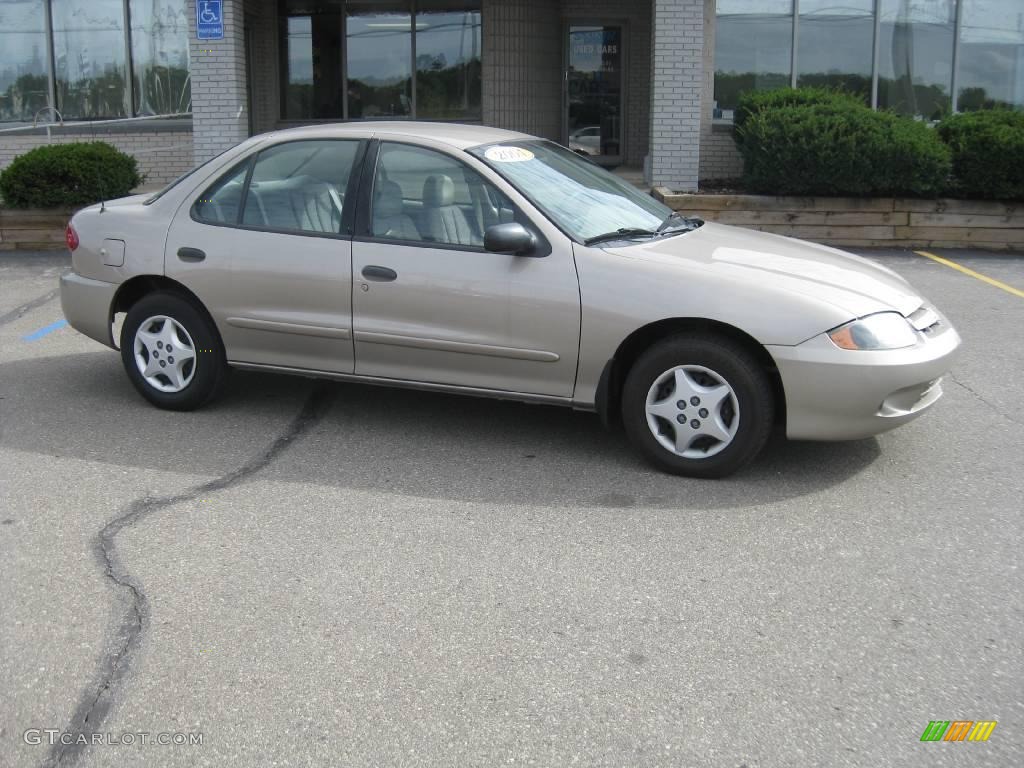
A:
594, 91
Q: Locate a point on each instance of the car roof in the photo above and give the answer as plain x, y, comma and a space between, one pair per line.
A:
458, 135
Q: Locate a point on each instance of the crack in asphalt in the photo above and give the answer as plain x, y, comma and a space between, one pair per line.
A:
980, 397
96, 703
18, 312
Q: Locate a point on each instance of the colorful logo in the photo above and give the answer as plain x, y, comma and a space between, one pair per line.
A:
958, 730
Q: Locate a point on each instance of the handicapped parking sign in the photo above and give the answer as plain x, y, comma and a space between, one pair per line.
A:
209, 19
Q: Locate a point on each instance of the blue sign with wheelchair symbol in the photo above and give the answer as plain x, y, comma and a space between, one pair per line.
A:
209, 19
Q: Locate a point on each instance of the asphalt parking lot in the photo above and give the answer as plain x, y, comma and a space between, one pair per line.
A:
329, 574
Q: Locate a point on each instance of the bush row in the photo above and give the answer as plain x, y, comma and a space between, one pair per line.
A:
76, 174
812, 141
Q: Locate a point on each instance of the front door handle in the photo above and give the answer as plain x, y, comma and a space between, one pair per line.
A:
191, 254
379, 274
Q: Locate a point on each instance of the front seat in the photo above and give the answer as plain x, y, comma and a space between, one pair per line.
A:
443, 221
388, 218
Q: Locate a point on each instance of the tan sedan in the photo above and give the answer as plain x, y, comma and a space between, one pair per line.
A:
480, 261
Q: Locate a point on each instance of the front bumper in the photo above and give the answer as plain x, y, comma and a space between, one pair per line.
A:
838, 394
86, 304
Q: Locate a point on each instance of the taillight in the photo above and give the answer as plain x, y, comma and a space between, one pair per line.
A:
71, 237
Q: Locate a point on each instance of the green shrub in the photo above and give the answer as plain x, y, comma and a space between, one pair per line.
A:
988, 153
753, 102
68, 175
841, 149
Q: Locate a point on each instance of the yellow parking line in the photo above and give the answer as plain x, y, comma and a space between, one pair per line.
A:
972, 273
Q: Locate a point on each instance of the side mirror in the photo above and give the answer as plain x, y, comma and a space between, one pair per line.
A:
510, 238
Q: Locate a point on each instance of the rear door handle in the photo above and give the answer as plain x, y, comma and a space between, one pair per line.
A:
379, 274
191, 254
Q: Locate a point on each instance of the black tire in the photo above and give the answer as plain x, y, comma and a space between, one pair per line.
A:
210, 365
736, 367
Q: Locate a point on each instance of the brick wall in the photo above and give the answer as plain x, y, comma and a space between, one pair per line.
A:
522, 66
677, 90
163, 155
219, 111
718, 156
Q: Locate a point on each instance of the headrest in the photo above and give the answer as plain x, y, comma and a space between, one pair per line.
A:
388, 199
438, 191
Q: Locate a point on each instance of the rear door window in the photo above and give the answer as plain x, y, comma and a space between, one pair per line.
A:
300, 186
296, 187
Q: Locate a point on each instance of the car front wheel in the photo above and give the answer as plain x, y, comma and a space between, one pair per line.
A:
172, 352
700, 407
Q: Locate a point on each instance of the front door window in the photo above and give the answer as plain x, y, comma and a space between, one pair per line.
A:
425, 196
594, 82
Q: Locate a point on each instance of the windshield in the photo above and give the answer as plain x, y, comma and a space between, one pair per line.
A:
582, 199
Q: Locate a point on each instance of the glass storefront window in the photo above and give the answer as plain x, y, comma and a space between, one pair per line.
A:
89, 54
159, 34
834, 45
915, 62
24, 72
379, 59
355, 59
297, 72
991, 60
753, 49
311, 67
448, 46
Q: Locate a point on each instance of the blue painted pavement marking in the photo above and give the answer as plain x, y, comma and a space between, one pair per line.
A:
36, 335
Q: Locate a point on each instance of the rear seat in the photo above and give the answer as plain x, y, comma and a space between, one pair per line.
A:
302, 203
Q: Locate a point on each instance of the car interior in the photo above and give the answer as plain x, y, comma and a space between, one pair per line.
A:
436, 214
418, 196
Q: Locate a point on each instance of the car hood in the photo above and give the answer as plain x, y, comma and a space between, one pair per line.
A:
852, 283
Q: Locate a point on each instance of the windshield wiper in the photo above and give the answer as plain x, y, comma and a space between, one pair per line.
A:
686, 221
619, 234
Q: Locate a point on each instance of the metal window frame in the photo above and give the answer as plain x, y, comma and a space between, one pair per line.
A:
51, 59
876, 52
129, 61
794, 44
413, 70
955, 79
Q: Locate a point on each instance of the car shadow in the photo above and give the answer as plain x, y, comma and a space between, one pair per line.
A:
386, 440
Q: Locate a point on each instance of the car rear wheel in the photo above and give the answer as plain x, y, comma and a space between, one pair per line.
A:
172, 352
697, 407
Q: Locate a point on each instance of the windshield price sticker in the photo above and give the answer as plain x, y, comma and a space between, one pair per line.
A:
508, 154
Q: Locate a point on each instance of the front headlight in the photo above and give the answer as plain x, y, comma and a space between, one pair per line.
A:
886, 330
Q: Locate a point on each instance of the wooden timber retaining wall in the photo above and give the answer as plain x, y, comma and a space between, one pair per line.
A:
866, 222
849, 221
33, 230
